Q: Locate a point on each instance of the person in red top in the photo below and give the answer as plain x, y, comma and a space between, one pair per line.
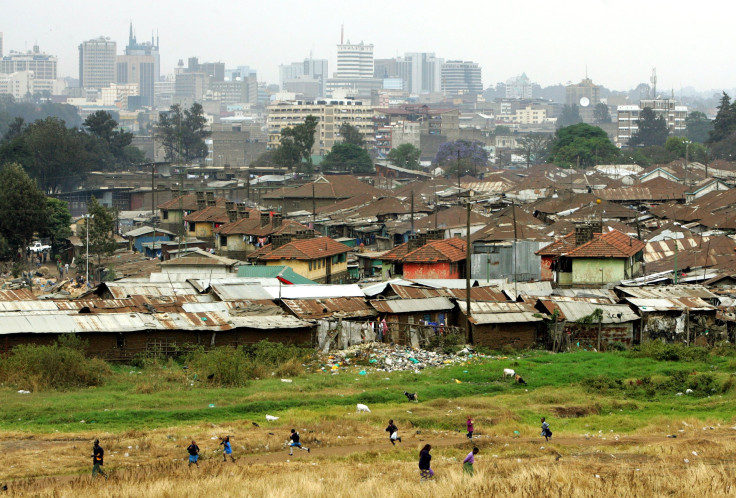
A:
469, 425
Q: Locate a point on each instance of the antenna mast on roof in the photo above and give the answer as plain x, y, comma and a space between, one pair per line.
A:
653, 81
342, 33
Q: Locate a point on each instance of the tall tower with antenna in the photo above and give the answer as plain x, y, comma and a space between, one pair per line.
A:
653, 81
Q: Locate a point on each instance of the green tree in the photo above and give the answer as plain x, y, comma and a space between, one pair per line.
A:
589, 144
101, 230
502, 131
351, 135
679, 147
652, 129
23, 209
534, 147
301, 137
182, 134
725, 123
348, 157
570, 115
601, 114
58, 221
698, 127
405, 156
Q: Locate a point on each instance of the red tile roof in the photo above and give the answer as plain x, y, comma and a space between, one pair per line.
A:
559, 247
252, 226
453, 217
396, 253
188, 203
326, 187
212, 214
613, 244
452, 250
304, 249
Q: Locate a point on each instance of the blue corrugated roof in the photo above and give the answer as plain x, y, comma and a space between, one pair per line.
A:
282, 271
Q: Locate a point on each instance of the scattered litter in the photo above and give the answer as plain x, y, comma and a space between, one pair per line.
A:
82, 422
695, 453
672, 435
23, 391
286, 380
407, 411
685, 424
211, 405
688, 391
458, 381
679, 394
597, 476
362, 372
686, 460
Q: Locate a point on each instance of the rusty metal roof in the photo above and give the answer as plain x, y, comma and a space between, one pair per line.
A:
671, 304
484, 313
17, 295
667, 292
612, 313
348, 307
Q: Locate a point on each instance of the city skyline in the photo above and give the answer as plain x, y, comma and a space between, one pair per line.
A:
551, 43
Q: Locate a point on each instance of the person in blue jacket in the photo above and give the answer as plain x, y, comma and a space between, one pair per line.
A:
227, 449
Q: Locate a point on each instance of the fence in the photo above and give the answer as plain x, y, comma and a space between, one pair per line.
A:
341, 334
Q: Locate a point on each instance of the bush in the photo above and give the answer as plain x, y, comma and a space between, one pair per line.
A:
61, 365
228, 366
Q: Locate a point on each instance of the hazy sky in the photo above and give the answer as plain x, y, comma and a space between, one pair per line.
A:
620, 40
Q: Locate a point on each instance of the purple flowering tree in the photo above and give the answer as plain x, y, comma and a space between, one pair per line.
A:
471, 155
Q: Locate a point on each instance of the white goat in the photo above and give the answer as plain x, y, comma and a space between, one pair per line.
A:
508, 372
271, 418
363, 408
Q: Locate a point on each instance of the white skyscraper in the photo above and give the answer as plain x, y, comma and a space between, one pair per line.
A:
354, 61
422, 72
97, 60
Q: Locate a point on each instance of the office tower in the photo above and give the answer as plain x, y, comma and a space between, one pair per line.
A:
141, 64
461, 78
97, 63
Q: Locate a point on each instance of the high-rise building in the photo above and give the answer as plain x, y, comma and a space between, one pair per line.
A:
1, 44
461, 78
385, 68
354, 60
673, 114
141, 64
519, 87
309, 70
42, 65
97, 63
422, 72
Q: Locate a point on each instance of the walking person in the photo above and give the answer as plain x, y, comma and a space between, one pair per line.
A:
425, 471
294, 442
193, 450
227, 449
393, 432
545, 430
469, 426
469, 461
98, 455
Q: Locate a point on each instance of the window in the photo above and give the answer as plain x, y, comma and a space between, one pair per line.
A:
310, 266
223, 240
165, 215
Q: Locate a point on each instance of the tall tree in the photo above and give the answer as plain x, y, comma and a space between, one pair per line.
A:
652, 129
682, 148
534, 147
101, 230
182, 134
58, 221
302, 136
405, 156
698, 127
349, 158
601, 114
588, 144
725, 123
570, 115
351, 135
469, 155
23, 209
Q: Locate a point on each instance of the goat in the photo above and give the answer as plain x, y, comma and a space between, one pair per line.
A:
271, 418
518, 379
508, 372
362, 408
411, 396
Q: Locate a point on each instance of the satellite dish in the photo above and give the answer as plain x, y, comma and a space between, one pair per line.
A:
584, 102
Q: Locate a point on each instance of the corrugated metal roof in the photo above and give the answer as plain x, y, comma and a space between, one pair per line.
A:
17, 295
314, 291
412, 305
668, 291
28, 306
240, 292
672, 304
573, 311
484, 313
122, 290
319, 308
269, 322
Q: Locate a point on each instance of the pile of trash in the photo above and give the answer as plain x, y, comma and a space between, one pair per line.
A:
393, 358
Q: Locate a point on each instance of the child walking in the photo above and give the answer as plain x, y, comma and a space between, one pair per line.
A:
469, 425
393, 432
545, 430
469, 461
425, 471
98, 455
295, 442
227, 449
193, 450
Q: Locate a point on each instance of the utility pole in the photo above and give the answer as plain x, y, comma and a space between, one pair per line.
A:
412, 212
513, 217
314, 208
468, 267
458, 174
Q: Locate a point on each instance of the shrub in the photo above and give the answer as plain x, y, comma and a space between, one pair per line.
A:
662, 351
61, 365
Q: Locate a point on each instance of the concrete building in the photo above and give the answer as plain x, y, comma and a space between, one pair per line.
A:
163, 92
586, 95
354, 60
461, 78
19, 84
330, 113
232, 145
118, 94
422, 72
309, 69
529, 115
385, 68
97, 59
628, 117
240, 91
140, 65
42, 65
519, 87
